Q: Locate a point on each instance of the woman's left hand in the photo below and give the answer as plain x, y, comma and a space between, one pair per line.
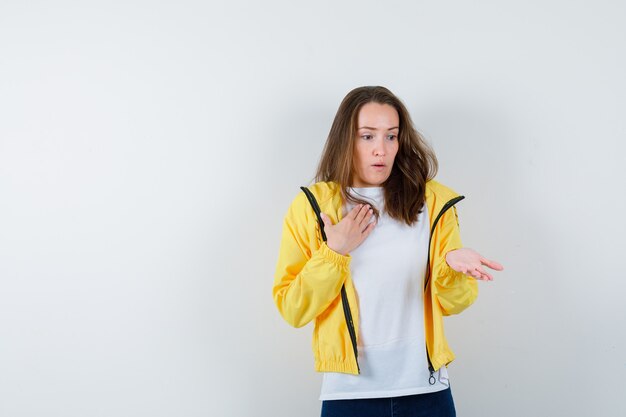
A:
470, 262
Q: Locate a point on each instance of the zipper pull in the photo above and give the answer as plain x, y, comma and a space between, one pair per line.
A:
432, 378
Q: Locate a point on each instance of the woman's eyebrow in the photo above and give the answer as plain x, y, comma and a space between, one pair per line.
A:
373, 128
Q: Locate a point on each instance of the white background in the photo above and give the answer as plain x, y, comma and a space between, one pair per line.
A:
149, 150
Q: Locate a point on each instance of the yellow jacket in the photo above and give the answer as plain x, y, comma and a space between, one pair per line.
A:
309, 278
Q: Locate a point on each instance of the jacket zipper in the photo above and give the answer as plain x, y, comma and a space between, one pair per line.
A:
351, 331
446, 207
344, 297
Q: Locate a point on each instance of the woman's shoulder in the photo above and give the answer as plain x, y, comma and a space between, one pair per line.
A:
323, 192
438, 189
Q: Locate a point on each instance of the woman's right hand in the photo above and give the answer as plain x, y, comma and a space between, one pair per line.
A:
351, 231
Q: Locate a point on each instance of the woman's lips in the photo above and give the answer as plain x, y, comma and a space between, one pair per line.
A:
378, 167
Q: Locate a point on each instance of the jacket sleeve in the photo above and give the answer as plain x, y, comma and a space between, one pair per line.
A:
454, 290
307, 278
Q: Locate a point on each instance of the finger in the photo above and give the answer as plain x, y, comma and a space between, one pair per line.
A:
368, 230
492, 264
480, 270
355, 211
476, 274
484, 274
361, 215
497, 266
368, 216
368, 222
473, 272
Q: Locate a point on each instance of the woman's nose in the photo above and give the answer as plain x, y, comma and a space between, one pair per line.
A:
379, 148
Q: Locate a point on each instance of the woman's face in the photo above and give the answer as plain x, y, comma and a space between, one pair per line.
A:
376, 144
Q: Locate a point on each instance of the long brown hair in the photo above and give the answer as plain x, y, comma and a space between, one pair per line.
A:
415, 162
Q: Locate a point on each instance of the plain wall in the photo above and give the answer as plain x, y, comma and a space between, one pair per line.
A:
149, 150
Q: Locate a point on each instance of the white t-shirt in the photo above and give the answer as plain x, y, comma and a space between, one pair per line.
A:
388, 271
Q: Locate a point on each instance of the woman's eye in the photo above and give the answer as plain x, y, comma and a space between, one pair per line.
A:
366, 137
392, 137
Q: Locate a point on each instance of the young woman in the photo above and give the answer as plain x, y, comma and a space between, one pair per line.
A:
384, 269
